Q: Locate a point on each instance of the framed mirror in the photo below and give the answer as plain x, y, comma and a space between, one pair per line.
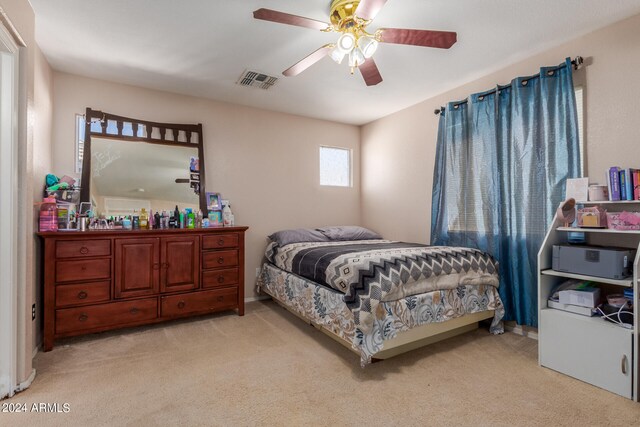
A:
129, 164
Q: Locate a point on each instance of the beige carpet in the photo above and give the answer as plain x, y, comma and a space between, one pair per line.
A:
269, 368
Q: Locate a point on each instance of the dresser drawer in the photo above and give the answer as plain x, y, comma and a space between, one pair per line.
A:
220, 241
199, 302
215, 259
220, 277
105, 315
85, 269
82, 293
82, 248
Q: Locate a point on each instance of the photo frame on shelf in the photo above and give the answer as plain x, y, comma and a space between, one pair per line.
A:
215, 217
214, 201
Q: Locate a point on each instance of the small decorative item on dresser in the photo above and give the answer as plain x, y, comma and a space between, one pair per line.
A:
214, 201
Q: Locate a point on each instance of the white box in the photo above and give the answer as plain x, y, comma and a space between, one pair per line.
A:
587, 297
577, 309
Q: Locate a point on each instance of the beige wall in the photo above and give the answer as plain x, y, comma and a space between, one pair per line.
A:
265, 163
398, 151
33, 157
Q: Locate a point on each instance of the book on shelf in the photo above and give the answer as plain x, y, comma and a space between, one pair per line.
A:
628, 183
623, 183
613, 175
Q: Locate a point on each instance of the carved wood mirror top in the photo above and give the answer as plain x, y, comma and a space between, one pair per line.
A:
130, 162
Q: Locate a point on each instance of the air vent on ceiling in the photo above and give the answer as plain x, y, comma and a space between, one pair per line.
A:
256, 79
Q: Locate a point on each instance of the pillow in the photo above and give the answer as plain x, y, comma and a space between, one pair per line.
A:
285, 237
349, 232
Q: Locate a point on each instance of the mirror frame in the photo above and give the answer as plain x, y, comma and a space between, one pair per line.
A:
104, 118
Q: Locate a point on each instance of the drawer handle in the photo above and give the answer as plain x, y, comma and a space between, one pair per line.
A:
220, 279
165, 265
156, 266
623, 364
84, 250
83, 268
220, 298
83, 317
220, 260
220, 242
181, 305
134, 311
82, 295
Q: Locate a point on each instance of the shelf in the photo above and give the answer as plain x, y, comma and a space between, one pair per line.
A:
598, 230
609, 202
586, 319
628, 283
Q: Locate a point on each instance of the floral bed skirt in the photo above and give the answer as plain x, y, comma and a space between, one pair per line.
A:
326, 307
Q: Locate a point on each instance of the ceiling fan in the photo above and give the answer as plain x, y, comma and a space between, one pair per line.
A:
350, 18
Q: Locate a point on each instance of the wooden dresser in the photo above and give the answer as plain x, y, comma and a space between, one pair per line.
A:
101, 280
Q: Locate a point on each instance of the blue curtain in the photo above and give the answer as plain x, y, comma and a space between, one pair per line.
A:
502, 160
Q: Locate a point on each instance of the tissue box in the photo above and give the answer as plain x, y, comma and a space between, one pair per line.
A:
623, 220
585, 297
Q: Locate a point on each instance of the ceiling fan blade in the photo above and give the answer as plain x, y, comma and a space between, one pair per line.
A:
426, 38
368, 9
286, 18
308, 61
370, 72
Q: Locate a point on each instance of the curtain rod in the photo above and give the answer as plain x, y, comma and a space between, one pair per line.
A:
577, 62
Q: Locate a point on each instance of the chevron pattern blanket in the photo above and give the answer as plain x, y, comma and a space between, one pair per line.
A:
368, 272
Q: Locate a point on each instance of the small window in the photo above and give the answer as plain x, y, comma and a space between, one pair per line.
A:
335, 166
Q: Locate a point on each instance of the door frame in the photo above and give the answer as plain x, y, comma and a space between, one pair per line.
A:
9, 113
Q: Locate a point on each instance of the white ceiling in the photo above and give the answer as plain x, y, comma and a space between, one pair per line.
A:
200, 47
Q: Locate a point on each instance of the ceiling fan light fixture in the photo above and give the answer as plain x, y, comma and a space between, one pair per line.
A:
356, 58
337, 55
368, 46
346, 42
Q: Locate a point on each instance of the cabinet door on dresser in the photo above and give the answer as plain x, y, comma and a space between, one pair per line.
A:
137, 267
180, 263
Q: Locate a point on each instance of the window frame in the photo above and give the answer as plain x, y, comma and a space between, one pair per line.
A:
349, 163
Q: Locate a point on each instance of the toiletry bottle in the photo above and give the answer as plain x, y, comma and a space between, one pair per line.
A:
126, 223
48, 215
135, 221
199, 218
190, 218
226, 216
181, 219
176, 215
144, 219
156, 221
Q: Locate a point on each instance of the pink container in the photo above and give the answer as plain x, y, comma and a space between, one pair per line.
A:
48, 215
623, 220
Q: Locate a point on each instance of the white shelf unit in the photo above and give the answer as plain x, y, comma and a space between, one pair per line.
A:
590, 348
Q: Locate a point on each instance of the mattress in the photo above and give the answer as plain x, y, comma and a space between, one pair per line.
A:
366, 273
326, 307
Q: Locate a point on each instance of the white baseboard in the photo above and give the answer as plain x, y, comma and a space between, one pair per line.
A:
26, 383
525, 331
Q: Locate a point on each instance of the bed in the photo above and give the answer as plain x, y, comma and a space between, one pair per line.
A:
380, 297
